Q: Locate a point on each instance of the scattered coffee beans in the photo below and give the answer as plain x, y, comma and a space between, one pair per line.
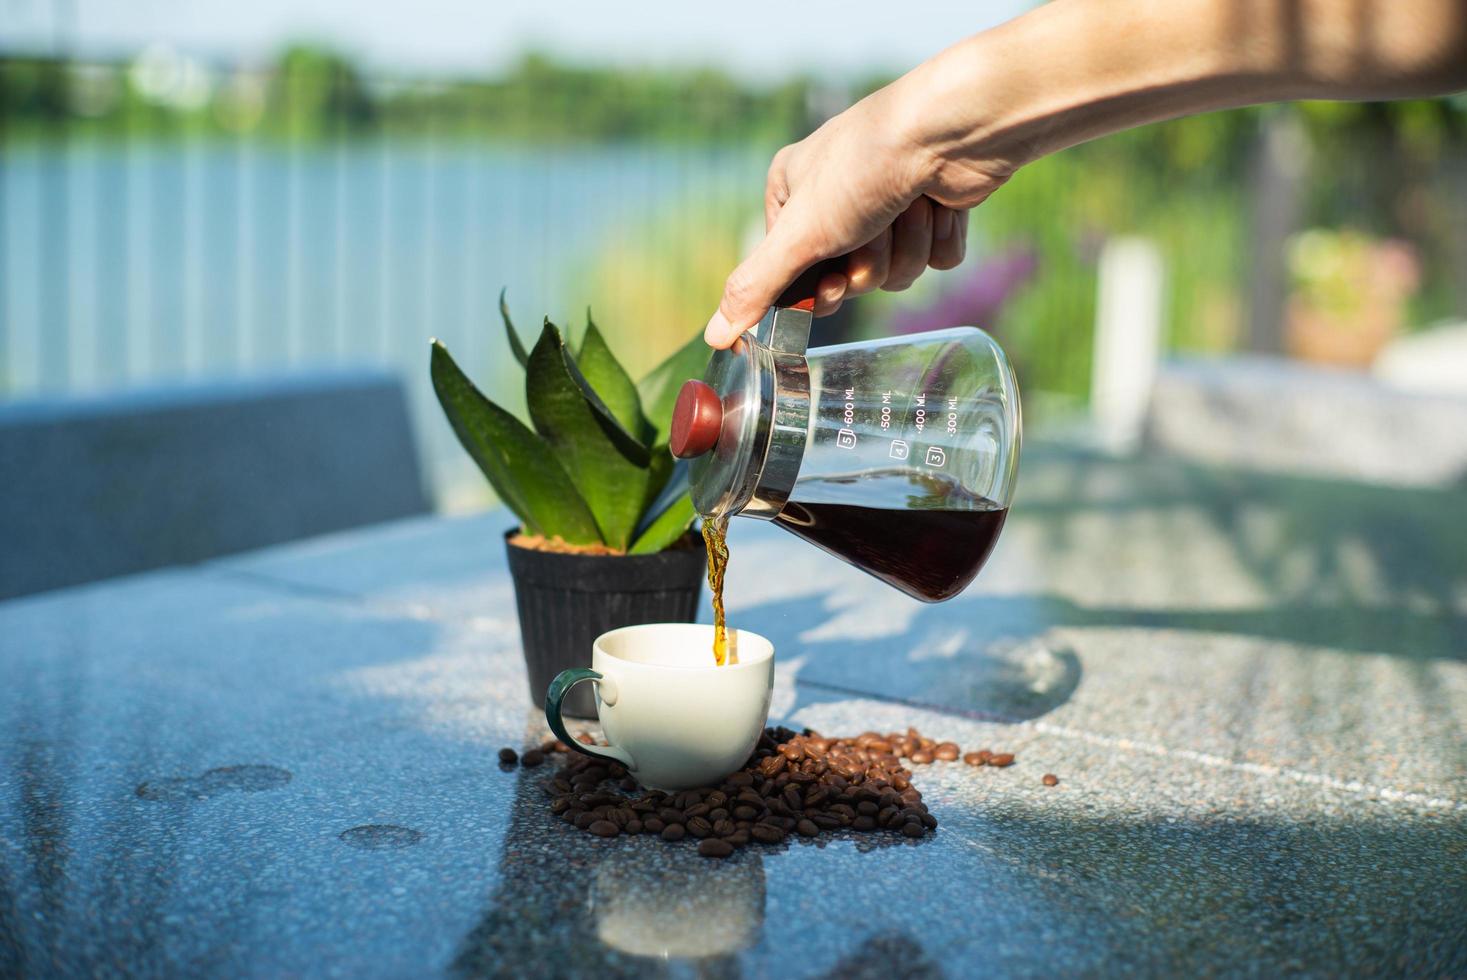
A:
532, 758
1050, 779
508, 756
794, 783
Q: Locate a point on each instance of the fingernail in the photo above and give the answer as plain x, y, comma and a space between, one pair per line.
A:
719, 332
942, 225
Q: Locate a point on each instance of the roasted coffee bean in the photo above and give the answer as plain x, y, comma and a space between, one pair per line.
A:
975, 758
585, 738
508, 756
1050, 779
767, 834
713, 847
604, 828
532, 758
804, 784
1002, 759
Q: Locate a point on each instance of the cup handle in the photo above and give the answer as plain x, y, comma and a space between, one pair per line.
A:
555, 696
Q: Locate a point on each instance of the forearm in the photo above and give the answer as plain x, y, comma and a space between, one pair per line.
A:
1073, 70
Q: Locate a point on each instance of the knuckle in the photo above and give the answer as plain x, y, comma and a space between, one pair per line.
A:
738, 290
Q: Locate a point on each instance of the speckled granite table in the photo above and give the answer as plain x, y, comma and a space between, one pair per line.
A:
1253, 689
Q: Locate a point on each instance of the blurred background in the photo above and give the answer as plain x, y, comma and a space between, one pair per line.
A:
195, 191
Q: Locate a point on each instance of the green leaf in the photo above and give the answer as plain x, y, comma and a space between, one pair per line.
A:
613, 485
519, 465
611, 381
669, 514
632, 447
659, 388
514, 337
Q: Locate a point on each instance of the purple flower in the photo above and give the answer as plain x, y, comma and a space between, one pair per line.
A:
977, 298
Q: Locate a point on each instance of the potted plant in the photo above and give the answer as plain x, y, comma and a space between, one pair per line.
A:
603, 538
1351, 295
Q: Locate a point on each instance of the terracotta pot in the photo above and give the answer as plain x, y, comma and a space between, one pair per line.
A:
1324, 338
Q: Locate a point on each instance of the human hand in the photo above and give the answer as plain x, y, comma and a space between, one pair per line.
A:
870, 183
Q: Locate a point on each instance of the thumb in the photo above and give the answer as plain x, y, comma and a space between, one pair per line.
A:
752, 288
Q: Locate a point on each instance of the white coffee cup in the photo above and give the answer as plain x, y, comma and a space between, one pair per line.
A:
673, 717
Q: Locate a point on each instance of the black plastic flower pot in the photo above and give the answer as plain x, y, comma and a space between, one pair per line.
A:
566, 601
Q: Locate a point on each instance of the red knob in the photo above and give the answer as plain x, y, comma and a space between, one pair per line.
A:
697, 419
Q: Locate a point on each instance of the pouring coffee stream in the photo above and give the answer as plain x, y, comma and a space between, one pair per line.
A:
897, 455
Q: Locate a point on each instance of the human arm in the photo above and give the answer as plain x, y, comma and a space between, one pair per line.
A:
890, 180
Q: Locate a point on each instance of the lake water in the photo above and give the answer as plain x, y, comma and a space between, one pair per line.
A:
131, 263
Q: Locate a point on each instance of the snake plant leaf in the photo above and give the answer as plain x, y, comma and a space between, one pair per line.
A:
669, 513
514, 338
611, 382
631, 447
520, 465
658, 390
613, 483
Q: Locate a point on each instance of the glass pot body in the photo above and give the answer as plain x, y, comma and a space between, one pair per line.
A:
911, 453
896, 455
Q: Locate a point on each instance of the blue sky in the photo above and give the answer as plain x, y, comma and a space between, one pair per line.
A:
755, 38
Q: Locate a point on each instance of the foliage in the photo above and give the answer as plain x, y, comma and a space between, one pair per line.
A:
593, 467
310, 92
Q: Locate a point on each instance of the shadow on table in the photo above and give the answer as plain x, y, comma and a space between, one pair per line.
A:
1379, 891
1300, 536
999, 657
1233, 893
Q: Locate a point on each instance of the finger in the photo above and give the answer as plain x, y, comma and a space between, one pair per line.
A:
867, 267
784, 253
776, 187
949, 229
911, 245
829, 293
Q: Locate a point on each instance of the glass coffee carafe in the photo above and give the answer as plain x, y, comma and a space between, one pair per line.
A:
896, 455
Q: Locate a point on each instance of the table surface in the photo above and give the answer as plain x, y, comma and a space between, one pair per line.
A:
1253, 690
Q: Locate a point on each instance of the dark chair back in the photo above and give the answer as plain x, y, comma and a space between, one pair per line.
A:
102, 486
